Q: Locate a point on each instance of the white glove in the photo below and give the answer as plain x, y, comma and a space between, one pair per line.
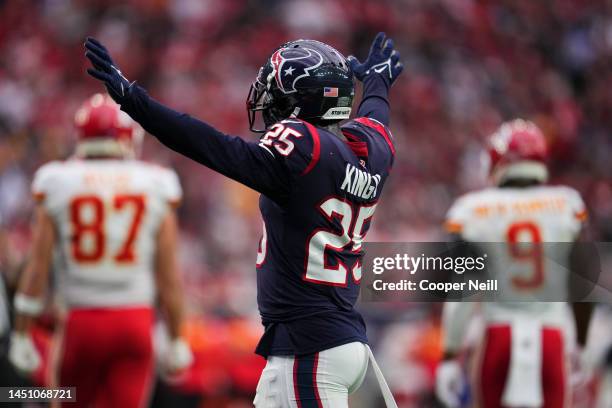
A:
23, 354
449, 383
178, 357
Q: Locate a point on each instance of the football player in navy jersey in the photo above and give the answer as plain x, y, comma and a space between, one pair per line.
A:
320, 182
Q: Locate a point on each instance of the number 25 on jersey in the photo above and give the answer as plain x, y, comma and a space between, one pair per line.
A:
324, 243
352, 231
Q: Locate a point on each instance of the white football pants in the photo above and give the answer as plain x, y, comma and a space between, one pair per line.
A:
321, 380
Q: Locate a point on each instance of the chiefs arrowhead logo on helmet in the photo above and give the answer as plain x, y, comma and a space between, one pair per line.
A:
291, 64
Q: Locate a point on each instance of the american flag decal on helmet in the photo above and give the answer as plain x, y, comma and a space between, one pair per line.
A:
330, 92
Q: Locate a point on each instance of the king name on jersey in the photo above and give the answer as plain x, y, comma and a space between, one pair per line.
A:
360, 183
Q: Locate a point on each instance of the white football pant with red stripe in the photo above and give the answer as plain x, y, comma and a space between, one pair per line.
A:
321, 380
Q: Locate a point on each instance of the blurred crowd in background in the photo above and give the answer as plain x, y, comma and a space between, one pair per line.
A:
470, 64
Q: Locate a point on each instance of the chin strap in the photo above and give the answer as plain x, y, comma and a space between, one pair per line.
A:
295, 112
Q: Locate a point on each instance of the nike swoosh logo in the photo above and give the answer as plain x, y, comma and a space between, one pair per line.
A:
379, 70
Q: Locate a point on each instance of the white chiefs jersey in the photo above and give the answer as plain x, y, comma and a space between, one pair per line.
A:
511, 218
106, 213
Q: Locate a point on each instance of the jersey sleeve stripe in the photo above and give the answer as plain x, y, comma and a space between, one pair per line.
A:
316, 148
358, 147
380, 128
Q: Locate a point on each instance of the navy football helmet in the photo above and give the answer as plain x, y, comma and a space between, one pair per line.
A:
304, 79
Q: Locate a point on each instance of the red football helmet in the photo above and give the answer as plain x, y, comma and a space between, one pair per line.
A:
517, 150
104, 130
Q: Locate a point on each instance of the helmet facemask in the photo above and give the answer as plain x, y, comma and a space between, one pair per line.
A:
258, 100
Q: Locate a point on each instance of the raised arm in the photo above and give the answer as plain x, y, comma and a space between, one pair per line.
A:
377, 72
232, 156
375, 101
248, 163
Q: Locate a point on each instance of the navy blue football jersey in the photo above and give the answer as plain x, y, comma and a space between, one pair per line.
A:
318, 196
309, 257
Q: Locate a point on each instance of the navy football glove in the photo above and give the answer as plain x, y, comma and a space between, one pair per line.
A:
105, 70
383, 60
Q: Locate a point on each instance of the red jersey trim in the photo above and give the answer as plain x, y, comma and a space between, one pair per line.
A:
359, 147
379, 128
316, 148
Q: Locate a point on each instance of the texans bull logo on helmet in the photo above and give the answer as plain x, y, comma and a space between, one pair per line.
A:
291, 64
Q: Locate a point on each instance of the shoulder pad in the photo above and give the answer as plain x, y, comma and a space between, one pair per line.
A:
575, 202
459, 213
170, 186
295, 142
371, 126
45, 179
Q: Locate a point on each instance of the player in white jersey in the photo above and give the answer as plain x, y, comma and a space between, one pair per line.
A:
522, 361
106, 222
